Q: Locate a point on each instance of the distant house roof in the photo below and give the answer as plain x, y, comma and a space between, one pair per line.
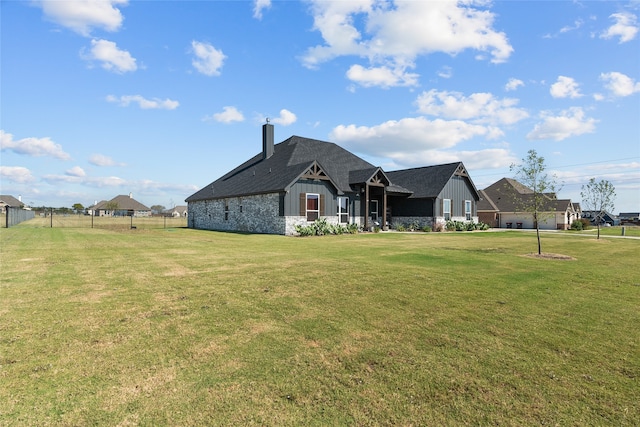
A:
509, 195
10, 201
290, 160
123, 202
429, 181
179, 209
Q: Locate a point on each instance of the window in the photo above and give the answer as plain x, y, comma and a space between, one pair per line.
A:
374, 210
343, 210
226, 211
446, 209
313, 207
467, 209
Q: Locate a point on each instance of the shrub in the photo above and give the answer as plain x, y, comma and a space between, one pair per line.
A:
438, 227
586, 224
576, 225
426, 228
401, 227
321, 227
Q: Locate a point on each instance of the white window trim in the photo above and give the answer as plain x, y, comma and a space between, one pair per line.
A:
306, 206
446, 209
341, 214
468, 213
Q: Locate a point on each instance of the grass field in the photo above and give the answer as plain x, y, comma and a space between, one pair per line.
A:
172, 326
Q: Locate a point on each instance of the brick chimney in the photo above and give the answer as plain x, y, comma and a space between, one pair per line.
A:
267, 140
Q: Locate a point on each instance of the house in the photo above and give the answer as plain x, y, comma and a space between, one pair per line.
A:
6, 200
122, 205
629, 218
300, 180
504, 205
177, 212
605, 217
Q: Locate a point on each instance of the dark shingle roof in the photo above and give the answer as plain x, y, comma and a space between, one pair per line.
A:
428, 181
291, 158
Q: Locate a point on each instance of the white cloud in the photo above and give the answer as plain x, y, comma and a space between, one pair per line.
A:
513, 84
17, 174
565, 87
99, 182
229, 115
145, 104
102, 160
259, 6
35, 147
620, 84
286, 118
445, 72
112, 58
396, 33
381, 76
479, 107
394, 137
571, 122
208, 60
490, 158
76, 171
82, 16
625, 27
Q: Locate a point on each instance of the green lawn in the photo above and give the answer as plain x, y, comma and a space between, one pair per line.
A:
184, 327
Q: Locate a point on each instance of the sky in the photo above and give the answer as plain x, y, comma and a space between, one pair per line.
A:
160, 98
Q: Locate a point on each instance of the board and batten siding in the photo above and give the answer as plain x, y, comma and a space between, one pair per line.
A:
292, 202
457, 190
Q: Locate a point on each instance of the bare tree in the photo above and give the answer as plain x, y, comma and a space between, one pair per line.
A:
598, 197
532, 173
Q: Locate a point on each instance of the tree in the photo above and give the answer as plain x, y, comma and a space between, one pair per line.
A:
78, 207
598, 197
112, 207
157, 209
532, 173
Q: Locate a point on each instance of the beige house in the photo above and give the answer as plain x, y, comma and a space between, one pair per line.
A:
122, 205
504, 205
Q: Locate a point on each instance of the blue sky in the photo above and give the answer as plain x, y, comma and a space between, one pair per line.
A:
160, 98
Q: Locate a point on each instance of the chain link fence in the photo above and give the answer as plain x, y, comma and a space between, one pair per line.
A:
53, 219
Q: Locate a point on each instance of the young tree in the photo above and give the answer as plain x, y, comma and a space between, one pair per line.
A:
598, 197
532, 173
78, 207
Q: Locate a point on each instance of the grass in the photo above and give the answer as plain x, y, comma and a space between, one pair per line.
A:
185, 327
629, 230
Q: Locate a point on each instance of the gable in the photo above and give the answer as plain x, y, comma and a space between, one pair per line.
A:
431, 181
291, 160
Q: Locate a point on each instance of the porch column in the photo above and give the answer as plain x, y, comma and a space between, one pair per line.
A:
384, 209
366, 206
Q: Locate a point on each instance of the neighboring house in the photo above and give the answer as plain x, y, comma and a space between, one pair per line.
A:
629, 218
504, 204
605, 217
122, 205
6, 200
177, 212
300, 180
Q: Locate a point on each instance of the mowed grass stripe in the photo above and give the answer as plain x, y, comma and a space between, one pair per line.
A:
187, 327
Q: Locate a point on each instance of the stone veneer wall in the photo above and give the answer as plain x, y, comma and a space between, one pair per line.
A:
253, 214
